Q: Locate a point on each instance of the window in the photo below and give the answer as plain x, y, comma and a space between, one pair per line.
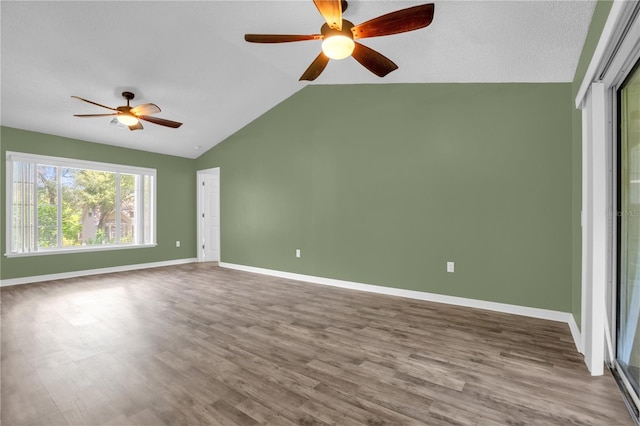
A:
59, 204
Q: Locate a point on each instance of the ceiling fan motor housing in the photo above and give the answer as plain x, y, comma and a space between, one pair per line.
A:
330, 32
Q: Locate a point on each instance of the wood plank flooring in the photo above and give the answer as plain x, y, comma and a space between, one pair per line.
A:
198, 344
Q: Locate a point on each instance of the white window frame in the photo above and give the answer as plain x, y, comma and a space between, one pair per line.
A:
60, 163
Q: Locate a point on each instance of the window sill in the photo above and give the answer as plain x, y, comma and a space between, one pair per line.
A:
81, 249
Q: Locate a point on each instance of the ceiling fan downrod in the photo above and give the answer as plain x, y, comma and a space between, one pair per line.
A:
128, 96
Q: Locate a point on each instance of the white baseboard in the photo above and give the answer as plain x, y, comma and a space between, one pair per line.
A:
73, 274
576, 334
546, 314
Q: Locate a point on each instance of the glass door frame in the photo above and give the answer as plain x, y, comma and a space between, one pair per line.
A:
617, 51
632, 397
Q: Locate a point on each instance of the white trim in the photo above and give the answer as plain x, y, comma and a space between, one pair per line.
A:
78, 164
595, 234
74, 274
618, 17
546, 314
81, 249
585, 222
575, 333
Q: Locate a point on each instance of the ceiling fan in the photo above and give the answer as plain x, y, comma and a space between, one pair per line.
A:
131, 116
339, 36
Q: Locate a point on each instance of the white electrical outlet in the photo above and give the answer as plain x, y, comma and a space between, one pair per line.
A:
297, 252
177, 243
451, 267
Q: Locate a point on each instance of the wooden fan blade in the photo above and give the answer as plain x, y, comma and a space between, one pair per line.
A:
315, 69
95, 115
396, 22
279, 38
331, 11
145, 109
160, 121
375, 62
137, 126
94, 103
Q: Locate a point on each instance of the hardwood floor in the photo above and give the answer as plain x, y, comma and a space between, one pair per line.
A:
197, 344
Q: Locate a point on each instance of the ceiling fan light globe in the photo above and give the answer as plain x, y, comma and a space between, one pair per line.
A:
338, 46
128, 119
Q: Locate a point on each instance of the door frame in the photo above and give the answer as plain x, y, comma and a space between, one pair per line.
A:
200, 188
617, 49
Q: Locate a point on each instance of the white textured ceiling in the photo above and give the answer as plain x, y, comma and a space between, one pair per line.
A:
190, 58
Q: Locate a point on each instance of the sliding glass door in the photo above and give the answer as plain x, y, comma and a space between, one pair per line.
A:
628, 291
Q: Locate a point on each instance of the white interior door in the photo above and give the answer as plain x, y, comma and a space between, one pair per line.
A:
209, 215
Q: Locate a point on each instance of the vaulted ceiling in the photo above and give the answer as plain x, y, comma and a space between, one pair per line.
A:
190, 58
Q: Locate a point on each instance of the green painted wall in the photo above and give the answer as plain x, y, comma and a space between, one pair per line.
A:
176, 203
383, 184
380, 184
595, 29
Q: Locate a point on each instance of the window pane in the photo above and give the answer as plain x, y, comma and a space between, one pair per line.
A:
98, 194
22, 207
127, 208
47, 186
88, 205
71, 209
148, 202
